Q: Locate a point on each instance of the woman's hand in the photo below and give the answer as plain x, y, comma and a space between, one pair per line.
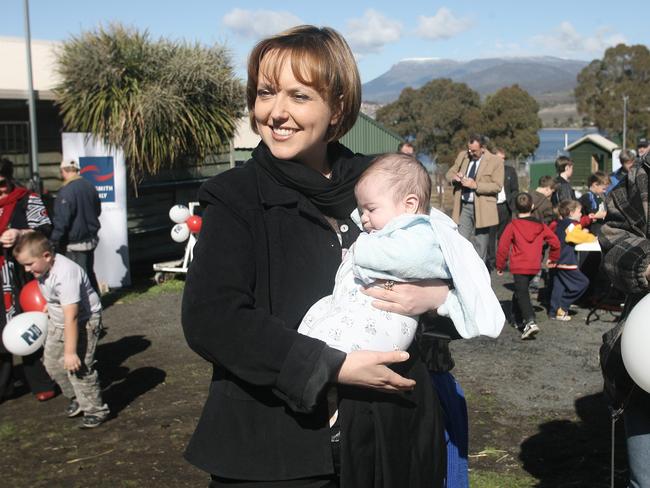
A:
413, 298
9, 237
369, 369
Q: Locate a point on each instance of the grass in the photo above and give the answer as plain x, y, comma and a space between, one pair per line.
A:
141, 291
7, 431
488, 479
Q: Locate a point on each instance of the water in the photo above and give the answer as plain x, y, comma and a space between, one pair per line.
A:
551, 141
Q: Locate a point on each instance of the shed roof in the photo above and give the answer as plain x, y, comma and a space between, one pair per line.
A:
596, 139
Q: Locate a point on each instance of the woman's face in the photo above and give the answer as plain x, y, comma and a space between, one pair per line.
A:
292, 118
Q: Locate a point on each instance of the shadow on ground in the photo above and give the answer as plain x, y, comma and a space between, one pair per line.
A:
122, 386
576, 454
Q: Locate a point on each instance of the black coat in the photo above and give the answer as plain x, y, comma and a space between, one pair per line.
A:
264, 256
511, 186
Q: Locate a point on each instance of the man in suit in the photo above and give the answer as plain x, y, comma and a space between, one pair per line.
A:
406, 148
477, 178
505, 205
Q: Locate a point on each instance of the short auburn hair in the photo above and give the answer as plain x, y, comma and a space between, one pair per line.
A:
405, 175
321, 59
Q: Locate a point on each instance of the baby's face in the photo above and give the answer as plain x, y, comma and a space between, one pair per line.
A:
376, 202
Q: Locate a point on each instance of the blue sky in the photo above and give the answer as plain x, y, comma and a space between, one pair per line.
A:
380, 32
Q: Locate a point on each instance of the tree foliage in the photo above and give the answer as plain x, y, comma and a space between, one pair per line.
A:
159, 101
623, 71
439, 116
510, 120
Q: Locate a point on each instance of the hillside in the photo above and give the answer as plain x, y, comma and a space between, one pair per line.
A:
550, 80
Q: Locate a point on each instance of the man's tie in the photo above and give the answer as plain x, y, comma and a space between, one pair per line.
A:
470, 174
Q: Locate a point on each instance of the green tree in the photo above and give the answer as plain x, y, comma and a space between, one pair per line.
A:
624, 70
160, 101
510, 119
439, 116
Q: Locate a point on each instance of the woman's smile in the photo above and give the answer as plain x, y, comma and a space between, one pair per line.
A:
292, 118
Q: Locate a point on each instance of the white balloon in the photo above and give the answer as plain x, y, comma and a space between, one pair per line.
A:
25, 333
180, 232
635, 344
179, 213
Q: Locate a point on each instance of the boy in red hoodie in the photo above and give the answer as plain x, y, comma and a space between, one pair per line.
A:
523, 240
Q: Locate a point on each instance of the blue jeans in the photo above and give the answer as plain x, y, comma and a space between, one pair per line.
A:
452, 400
637, 434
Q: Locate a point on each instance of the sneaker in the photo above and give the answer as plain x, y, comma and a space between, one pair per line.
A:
562, 315
91, 421
530, 330
73, 409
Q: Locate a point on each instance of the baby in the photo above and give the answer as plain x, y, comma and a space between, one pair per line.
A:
404, 240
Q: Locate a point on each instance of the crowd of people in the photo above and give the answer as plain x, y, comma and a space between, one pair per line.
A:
339, 287
58, 253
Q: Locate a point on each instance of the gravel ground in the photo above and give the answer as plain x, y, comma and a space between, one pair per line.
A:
536, 414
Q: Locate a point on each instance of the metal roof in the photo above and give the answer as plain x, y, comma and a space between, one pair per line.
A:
596, 139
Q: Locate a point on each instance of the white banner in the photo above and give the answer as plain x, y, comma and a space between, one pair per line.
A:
106, 169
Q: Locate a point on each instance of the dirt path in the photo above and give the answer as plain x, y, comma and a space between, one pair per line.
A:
537, 417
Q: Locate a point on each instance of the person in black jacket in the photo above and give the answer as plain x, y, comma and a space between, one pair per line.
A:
76, 219
563, 188
273, 235
505, 206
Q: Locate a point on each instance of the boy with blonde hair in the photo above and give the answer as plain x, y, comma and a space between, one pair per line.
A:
75, 316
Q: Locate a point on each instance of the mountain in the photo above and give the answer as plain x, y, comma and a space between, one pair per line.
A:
550, 80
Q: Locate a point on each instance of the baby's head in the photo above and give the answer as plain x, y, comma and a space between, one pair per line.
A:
393, 184
35, 252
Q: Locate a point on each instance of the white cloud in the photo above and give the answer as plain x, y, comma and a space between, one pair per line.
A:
566, 39
259, 23
443, 25
372, 32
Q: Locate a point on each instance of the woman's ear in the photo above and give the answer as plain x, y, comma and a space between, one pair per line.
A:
412, 203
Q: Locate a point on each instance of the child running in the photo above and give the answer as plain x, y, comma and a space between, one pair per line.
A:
404, 240
75, 317
522, 243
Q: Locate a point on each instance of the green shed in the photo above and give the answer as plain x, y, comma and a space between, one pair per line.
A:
590, 153
539, 169
370, 137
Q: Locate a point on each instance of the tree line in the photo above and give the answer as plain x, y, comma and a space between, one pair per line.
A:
440, 115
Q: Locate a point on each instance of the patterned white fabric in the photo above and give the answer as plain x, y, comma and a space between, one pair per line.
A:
408, 248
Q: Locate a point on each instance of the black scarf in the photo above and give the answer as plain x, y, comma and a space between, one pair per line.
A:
334, 196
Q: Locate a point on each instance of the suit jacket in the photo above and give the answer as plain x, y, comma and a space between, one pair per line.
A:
489, 179
265, 255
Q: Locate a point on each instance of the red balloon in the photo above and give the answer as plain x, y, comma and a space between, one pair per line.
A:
31, 299
194, 223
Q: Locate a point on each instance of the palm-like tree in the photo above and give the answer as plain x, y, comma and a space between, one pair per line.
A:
159, 101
